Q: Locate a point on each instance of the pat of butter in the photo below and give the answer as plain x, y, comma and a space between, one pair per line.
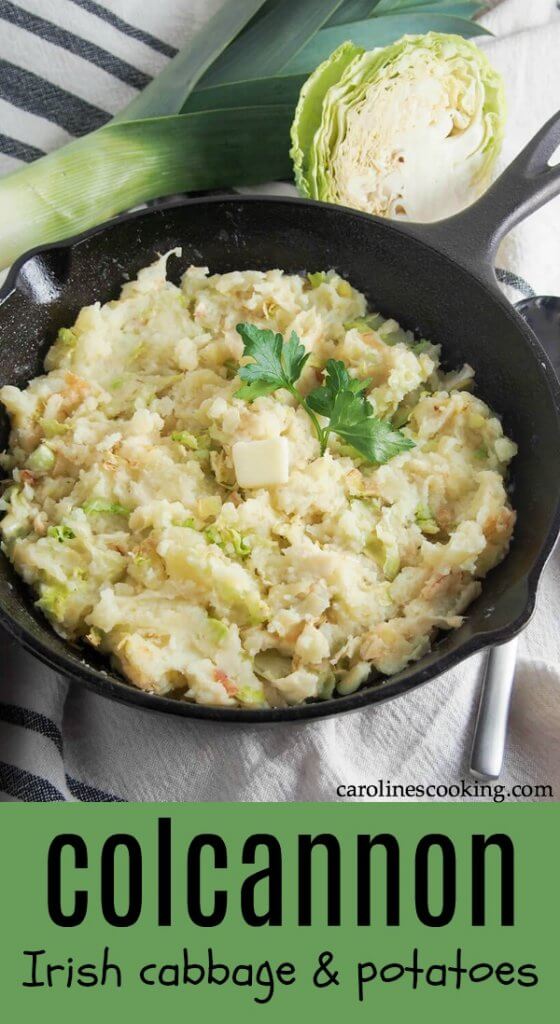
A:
261, 463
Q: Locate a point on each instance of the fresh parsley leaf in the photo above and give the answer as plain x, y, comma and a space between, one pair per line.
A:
277, 364
352, 419
340, 399
294, 357
322, 399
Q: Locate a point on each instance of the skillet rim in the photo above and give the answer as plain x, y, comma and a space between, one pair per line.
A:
112, 688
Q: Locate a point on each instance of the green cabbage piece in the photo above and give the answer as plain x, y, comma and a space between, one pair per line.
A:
250, 695
404, 410
53, 428
100, 506
14, 500
364, 324
425, 520
327, 683
386, 555
67, 336
219, 630
272, 665
41, 460
422, 346
189, 523
6, 499
409, 131
53, 600
307, 117
353, 679
230, 540
61, 533
316, 279
183, 437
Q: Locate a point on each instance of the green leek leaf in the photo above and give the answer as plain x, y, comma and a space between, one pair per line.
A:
456, 8
256, 92
357, 10
281, 89
405, 6
461, 8
352, 10
272, 41
285, 88
167, 93
377, 32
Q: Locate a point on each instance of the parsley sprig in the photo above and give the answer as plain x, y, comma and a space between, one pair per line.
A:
278, 365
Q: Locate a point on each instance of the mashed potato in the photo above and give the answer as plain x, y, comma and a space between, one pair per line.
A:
125, 516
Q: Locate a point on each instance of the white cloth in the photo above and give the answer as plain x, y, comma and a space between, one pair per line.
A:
526, 50
59, 741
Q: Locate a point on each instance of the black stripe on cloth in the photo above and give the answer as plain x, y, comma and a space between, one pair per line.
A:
28, 91
515, 281
36, 722
19, 150
25, 786
15, 715
74, 44
89, 794
128, 30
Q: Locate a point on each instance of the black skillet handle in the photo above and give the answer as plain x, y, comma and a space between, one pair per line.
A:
542, 313
472, 236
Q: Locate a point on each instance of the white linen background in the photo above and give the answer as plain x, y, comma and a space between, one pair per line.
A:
95, 745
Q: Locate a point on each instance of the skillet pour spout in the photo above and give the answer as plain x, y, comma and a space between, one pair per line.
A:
436, 279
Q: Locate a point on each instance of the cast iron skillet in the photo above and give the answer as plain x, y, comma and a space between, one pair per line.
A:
436, 279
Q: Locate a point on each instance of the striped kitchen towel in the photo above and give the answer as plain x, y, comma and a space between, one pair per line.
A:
66, 66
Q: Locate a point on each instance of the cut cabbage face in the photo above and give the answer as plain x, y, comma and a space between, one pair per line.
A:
410, 131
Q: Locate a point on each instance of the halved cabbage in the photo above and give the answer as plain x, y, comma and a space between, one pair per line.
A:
410, 131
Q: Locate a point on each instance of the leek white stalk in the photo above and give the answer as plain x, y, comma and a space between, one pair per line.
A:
128, 163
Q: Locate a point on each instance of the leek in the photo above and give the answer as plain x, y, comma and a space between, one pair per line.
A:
166, 93
255, 92
127, 163
267, 46
373, 33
